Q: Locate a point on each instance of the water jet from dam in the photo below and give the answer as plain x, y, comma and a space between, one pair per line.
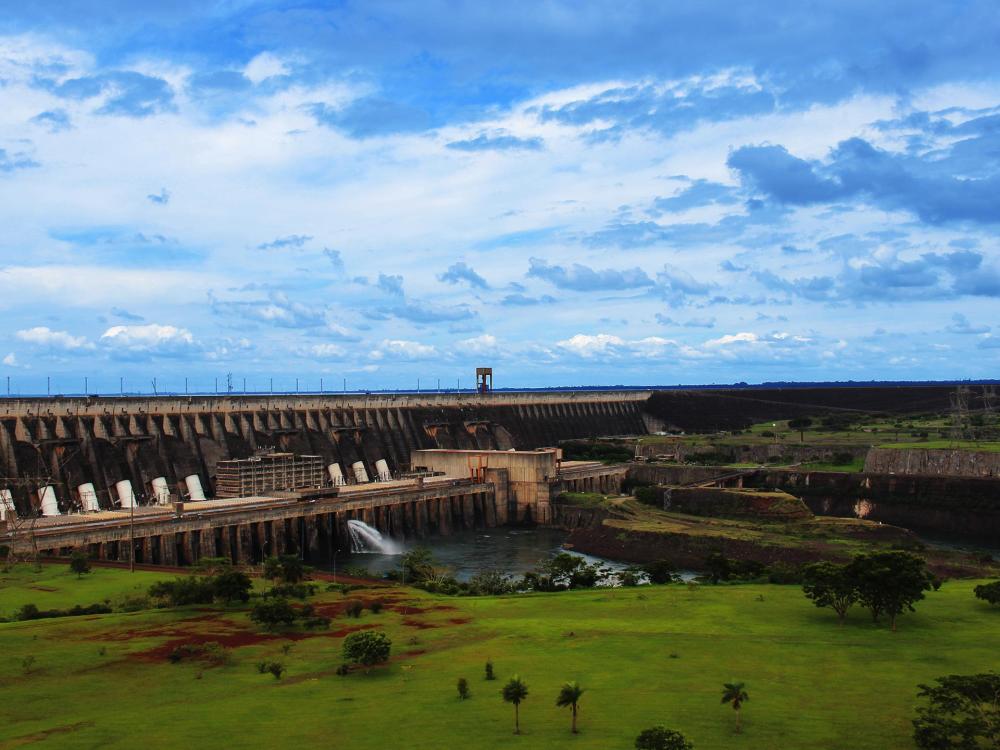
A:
365, 539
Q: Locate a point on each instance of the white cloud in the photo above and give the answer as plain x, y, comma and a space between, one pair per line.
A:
485, 344
43, 336
10, 360
264, 66
733, 338
149, 339
401, 349
586, 345
325, 351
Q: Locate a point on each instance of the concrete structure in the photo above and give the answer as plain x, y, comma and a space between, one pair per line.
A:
260, 475
67, 442
525, 481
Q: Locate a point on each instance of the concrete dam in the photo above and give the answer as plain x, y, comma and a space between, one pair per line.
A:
66, 455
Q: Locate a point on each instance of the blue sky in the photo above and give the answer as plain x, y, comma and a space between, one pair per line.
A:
573, 193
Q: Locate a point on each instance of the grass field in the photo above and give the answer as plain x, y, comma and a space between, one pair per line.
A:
647, 655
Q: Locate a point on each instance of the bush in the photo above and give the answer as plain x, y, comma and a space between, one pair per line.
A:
133, 603
32, 612
276, 668
230, 585
489, 670
292, 590
988, 592
273, 614
79, 563
286, 568
213, 652
661, 738
184, 591
343, 670
353, 607
367, 647
463, 688
649, 496
660, 571
317, 622
376, 605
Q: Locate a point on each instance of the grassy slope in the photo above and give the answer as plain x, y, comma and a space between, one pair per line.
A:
812, 684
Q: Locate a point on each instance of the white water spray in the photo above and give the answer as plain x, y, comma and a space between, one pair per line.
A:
364, 539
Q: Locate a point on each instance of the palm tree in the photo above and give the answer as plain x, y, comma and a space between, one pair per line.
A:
570, 696
514, 692
733, 692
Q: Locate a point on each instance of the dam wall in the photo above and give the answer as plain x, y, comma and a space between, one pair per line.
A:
167, 448
944, 462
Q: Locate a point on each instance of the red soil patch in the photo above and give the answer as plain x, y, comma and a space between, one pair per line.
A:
460, 620
410, 610
419, 624
417, 652
42, 588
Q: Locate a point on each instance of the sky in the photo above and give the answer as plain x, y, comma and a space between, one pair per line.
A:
375, 193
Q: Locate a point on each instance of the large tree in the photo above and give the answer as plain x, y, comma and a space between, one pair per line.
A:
829, 585
889, 582
569, 697
515, 691
962, 713
988, 592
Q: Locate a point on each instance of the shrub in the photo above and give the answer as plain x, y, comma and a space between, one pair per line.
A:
630, 576
317, 622
367, 647
79, 563
276, 668
184, 591
273, 614
231, 584
988, 592
463, 688
262, 667
133, 603
32, 612
213, 652
660, 571
489, 670
649, 496
292, 590
286, 568
343, 670
353, 607
661, 738
376, 605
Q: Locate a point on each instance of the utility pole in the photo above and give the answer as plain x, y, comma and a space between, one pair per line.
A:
86, 387
321, 385
296, 385
121, 385
185, 386
48, 386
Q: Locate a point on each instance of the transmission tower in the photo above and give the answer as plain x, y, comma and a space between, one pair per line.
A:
960, 427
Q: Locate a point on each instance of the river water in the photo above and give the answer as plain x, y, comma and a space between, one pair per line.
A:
465, 553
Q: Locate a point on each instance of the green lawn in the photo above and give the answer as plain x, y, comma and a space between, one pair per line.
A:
646, 656
965, 445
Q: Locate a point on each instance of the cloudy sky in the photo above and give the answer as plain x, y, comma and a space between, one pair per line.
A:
573, 193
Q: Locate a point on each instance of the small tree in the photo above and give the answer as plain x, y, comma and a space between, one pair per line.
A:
718, 567
79, 563
286, 568
232, 585
367, 647
734, 694
417, 565
661, 738
276, 668
273, 614
988, 592
515, 691
489, 670
829, 585
463, 688
801, 424
569, 697
889, 582
962, 713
